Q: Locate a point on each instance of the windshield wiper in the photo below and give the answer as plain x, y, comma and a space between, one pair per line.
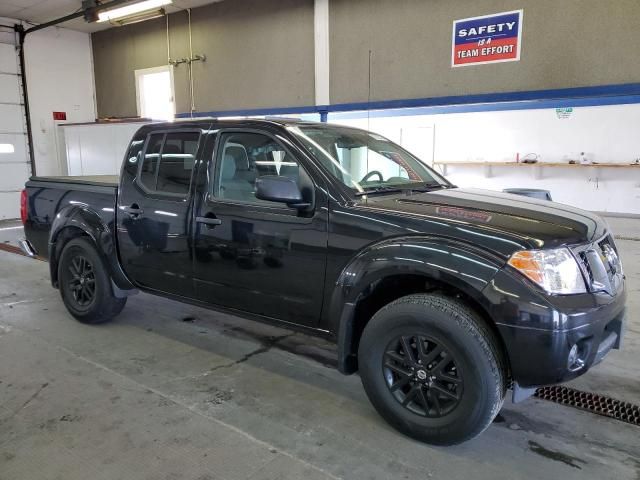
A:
381, 189
425, 187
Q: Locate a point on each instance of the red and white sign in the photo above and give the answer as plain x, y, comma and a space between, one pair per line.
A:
487, 39
59, 115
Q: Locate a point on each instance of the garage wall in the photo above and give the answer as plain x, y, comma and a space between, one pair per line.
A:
60, 79
565, 44
260, 54
606, 134
117, 53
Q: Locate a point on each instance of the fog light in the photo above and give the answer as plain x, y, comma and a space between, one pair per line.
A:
574, 361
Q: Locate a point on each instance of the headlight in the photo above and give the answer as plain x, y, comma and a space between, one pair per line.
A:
556, 271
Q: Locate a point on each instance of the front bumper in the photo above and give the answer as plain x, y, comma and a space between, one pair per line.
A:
539, 331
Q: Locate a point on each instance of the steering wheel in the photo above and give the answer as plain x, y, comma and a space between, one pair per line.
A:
371, 174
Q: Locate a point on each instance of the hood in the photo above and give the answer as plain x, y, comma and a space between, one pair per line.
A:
530, 222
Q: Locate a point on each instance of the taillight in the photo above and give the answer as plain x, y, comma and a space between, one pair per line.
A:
23, 206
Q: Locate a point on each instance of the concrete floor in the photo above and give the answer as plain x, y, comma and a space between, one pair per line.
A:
170, 391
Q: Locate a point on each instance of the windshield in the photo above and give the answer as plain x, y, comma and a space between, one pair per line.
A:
364, 161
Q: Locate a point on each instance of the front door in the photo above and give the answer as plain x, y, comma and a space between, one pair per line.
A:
154, 211
255, 255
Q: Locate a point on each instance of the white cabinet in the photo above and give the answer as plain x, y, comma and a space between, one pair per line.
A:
97, 148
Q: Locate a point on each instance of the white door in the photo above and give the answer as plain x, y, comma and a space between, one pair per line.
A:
14, 159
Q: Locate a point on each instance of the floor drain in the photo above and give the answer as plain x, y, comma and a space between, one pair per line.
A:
591, 402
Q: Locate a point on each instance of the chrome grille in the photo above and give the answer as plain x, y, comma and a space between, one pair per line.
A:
599, 264
586, 268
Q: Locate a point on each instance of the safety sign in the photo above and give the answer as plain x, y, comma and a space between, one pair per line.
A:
487, 39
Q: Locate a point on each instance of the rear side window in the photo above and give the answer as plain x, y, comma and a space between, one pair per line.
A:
176, 162
150, 162
169, 161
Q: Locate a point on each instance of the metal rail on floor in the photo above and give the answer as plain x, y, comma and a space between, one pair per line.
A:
591, 402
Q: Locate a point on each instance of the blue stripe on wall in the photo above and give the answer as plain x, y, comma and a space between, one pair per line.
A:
535, 99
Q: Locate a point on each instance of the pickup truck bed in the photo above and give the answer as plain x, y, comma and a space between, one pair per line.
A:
49, 195
97, 180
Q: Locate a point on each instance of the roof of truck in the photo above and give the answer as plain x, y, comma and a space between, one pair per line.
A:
282, 121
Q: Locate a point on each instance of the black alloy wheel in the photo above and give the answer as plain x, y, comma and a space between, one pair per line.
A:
82, 282
432, 368
422, 375
85, 284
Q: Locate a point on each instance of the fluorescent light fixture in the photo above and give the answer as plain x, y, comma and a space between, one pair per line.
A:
7, 148
133, 9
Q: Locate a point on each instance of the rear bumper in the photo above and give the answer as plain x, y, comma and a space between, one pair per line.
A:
539, 333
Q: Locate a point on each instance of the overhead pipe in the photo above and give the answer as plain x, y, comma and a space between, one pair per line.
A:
193, 102
19, 29
188, 61
22, 33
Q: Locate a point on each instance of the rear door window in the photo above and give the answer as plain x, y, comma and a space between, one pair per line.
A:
168, 162
176, 162
149, 166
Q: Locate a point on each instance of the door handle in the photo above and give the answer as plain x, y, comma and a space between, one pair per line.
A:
212, 222
133, 210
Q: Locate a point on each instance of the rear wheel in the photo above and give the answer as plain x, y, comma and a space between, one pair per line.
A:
85, 285
432, 369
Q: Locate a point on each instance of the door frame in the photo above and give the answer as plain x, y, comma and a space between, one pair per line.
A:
300, 155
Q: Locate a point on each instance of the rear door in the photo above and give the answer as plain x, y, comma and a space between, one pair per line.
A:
254, 255
154, 210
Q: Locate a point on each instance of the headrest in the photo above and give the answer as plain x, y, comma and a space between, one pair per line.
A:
228, 167
240, 155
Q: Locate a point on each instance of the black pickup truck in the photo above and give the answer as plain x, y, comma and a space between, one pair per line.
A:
441, 297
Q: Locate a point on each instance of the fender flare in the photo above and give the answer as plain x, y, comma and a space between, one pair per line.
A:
75, 220
460, 265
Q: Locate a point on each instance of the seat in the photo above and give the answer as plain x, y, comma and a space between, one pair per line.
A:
232, 185
174, 175
243, 167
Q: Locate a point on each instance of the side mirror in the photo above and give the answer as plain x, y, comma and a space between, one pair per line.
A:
275, 188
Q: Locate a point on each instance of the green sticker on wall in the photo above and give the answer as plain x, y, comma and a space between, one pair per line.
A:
564, 112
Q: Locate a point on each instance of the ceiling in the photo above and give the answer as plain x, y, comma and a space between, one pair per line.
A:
40, 11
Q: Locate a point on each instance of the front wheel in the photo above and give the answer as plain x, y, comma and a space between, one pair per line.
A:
85, 285
432, 369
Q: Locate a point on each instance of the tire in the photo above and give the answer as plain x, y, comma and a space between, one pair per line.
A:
85, 285
458, 394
